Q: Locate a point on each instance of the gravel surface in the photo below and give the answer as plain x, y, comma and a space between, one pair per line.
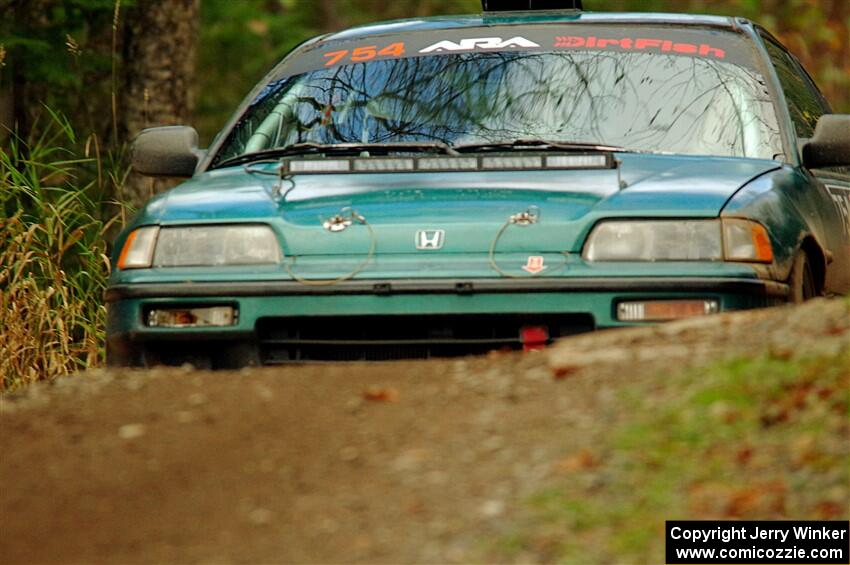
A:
392, 462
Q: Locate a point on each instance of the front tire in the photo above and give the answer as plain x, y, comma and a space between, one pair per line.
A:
802, 280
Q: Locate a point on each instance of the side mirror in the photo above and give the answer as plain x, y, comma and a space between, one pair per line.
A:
830, 145
170, 151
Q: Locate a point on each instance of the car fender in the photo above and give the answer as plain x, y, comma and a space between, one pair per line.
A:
790, 209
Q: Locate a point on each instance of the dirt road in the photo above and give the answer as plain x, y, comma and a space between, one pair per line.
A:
410, 461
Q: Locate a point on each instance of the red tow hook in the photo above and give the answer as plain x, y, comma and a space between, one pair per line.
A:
534, 338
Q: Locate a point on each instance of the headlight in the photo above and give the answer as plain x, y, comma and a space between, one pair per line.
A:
697, 240
198, 246
216, 245
679, 240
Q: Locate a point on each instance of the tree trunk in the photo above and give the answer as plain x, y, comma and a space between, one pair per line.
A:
20, 100
160, 40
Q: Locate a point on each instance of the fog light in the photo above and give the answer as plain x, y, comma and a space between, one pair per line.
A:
215, 316
662, 310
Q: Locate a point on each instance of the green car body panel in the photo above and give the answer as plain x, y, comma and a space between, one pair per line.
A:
470, 275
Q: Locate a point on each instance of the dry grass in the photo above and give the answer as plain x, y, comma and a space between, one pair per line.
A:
53, 253
56, 215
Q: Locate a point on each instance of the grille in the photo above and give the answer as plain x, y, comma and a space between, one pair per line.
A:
384, 338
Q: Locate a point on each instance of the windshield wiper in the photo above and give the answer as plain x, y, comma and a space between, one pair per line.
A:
539, 145
311, 148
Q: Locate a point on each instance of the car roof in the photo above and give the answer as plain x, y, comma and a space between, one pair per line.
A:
532, 17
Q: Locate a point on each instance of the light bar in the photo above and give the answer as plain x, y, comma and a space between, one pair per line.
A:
449, 163
664, 310
525, 162
320, 166
512, 5
211, 316
599, 161
383, 165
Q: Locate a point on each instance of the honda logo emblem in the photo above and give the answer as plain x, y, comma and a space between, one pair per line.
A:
430, 239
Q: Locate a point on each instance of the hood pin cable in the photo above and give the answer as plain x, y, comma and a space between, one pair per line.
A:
336, 224
522, 219
280, 172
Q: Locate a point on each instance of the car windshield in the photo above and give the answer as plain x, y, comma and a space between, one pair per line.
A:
642, 101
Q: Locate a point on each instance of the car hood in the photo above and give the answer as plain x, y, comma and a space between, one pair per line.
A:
470, 207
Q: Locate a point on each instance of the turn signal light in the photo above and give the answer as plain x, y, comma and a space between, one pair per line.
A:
761, 241
746, 241
137, 252
664, 310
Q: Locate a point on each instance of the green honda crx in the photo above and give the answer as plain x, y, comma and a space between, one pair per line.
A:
454, 185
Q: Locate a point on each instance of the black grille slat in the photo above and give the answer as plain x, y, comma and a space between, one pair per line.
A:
384, 338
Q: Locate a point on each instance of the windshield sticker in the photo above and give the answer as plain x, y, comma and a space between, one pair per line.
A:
639, 44
479, 43
365, 53
686, 41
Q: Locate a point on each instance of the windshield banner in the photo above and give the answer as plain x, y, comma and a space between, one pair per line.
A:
705, 43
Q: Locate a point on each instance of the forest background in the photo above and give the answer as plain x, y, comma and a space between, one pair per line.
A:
191, 61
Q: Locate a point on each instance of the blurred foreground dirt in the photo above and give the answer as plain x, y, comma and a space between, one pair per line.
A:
396, 462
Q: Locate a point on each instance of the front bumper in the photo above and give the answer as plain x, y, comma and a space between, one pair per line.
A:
570, 304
